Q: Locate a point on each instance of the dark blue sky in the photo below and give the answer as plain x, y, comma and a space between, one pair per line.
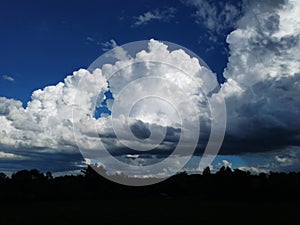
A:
42, 42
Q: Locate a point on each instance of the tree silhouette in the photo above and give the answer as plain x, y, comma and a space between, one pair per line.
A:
26, 175
3, 176
206, 171
225, 171
225, 190
49, 176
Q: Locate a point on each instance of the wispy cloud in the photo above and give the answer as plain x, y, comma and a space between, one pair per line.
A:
106, 46
117, 51
162, 15
4, 155
216, 16
8, 78
90, 39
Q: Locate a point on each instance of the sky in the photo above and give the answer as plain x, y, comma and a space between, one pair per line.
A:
250, 47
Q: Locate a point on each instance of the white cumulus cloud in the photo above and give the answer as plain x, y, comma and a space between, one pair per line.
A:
45, 126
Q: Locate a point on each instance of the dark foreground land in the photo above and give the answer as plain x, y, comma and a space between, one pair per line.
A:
228, 197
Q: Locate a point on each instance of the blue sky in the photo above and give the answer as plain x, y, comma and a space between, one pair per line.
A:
42, 42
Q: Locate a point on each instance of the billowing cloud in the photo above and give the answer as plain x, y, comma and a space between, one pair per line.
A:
45, 126
263, 78
171, 84
161, 15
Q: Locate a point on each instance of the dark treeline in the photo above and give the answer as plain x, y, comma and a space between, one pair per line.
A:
226, 197
225, 185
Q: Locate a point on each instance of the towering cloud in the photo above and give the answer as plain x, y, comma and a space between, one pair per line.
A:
162, 89
263, 78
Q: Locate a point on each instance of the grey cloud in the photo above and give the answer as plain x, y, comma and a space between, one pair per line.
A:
140, 130
264, 64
